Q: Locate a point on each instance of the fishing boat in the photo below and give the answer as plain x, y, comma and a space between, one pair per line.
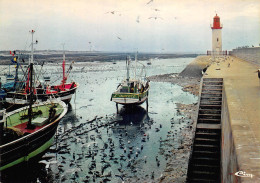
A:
43, 91
64, 90
132, 91
28, 132
24, 137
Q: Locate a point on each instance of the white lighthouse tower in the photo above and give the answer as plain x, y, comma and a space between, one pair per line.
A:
216, 36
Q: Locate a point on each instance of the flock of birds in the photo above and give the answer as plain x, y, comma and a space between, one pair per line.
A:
138, 17
110, 148
107, 149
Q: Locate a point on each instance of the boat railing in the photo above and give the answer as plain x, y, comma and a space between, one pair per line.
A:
27, 136
137, 94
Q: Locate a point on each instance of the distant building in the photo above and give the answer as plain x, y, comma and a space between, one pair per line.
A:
216, 38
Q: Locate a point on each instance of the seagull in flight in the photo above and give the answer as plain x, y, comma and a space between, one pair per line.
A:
150, 2
137, 19
155, 9
112, 12
119, 38
155, 18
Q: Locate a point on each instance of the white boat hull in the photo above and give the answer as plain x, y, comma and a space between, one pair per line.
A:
129, 101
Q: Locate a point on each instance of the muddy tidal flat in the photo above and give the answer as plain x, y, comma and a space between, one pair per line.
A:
94, 143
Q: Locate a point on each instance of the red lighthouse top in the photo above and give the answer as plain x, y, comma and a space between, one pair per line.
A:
216, 22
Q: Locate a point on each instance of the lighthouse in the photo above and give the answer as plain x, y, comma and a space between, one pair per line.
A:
216, 36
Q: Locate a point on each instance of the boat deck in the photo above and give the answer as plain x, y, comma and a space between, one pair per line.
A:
22, 128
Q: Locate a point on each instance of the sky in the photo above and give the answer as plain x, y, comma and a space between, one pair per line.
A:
163, 26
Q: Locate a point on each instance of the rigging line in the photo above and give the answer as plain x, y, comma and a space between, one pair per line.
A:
23, 78
54, 81
36, 95
10, 106
53, 95
37, 76
22, 70
41, 70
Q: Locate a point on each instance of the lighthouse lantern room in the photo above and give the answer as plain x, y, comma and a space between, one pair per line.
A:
216, 36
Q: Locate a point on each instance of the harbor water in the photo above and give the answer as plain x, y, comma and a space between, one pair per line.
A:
96, 143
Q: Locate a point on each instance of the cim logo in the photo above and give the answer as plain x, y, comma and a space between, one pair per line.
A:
243, 174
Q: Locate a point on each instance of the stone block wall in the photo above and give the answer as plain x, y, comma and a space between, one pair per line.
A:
229, 165
248, 54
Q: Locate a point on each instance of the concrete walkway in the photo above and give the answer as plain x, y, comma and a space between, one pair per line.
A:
242, 92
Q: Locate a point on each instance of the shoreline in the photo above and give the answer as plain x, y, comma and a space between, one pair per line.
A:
5, 58
189, 79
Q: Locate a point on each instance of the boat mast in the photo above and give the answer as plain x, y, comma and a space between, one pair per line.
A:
135, 63
16, 70
31, 60
63, 68
127, 70
29, 124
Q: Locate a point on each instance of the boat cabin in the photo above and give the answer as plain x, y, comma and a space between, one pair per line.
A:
132, 86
